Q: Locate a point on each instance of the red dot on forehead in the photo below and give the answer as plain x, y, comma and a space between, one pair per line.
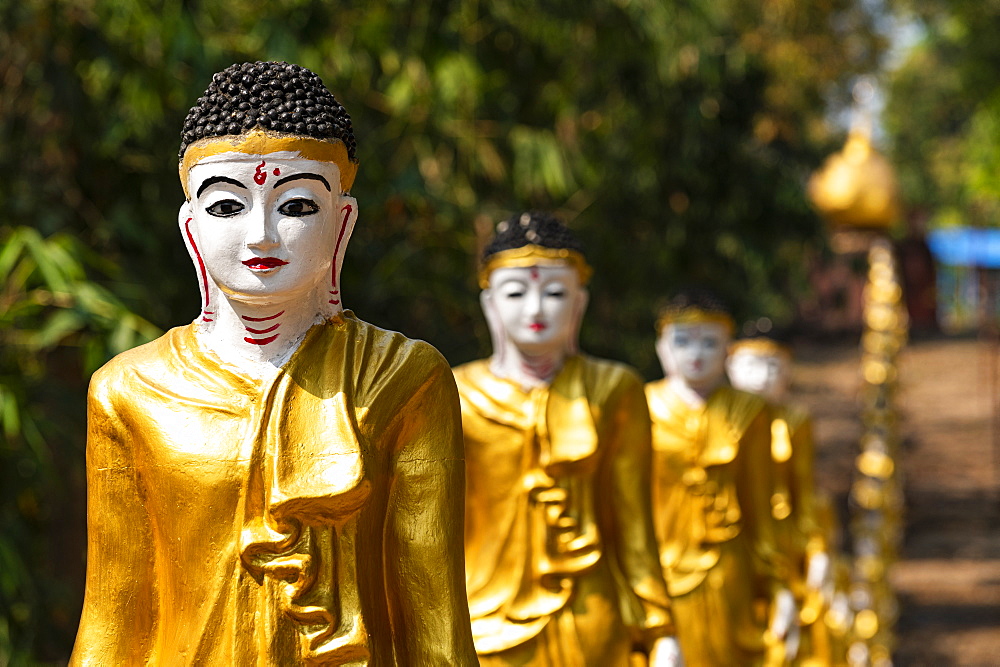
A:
260, 175
534, 273
276, 172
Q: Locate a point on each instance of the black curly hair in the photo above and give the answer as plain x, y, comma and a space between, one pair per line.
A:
532, 227
275, 96
697, 297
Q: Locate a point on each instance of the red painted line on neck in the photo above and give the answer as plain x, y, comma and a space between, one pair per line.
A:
262, 341
263, 331
262, 319
335, 302
201, 262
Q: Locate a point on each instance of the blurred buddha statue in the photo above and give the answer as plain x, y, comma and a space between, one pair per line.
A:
761, 363
277, 483
561, 558
712, 488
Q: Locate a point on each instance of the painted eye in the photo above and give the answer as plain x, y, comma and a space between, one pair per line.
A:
226, 208
514, 295
555, 293
298, 208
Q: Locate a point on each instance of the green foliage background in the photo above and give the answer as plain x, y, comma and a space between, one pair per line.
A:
943, 113
675, 137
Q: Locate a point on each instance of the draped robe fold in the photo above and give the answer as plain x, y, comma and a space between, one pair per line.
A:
313, 518
560, 554
712, 491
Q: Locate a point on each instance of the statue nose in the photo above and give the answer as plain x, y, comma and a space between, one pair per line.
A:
261, 231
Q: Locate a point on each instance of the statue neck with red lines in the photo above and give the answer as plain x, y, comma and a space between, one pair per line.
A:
261, 338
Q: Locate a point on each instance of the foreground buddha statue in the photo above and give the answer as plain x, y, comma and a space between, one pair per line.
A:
277, 483
561, 559
712, 488
761, 363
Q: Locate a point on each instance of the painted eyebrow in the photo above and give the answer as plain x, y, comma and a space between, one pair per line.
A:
315, 177
218, 179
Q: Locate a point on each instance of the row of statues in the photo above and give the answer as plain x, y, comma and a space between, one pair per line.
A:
281, 483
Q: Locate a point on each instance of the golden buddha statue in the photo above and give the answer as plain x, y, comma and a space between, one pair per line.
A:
712, 488
561, 562
760, 363
278, 482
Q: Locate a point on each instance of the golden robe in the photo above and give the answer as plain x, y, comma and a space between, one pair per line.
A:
712, 488
794, 502
313, 518
561, 563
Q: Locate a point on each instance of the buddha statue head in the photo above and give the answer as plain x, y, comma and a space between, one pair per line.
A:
760, 363
533, 281
695, 329
267, 160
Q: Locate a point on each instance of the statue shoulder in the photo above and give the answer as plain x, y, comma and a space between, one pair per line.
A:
614, 375
742, 409
795, 415
472, 373
153, 359
386, 355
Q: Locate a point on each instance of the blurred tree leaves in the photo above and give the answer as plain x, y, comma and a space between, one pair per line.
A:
943, 110
675, 137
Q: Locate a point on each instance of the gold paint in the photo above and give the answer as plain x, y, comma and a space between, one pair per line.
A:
313, 518
781, 441
866, 624
262, 142
875, 464
534, 255
561, 559
718, 545
693, 315
856, 187
780, 507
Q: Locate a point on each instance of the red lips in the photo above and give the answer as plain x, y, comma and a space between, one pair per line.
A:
537, 326
263, 263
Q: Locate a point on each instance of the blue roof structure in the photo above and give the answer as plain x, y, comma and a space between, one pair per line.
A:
966, 246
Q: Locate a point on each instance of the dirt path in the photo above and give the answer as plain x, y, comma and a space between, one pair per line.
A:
949, 577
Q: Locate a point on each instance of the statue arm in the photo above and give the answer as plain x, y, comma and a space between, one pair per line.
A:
804, 460
633, 538
424, 552
755, 487
120, 605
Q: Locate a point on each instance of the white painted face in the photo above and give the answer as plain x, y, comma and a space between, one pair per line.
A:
694, 353
267, 227
537, 308
759, 373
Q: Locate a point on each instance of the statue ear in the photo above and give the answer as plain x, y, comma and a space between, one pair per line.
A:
665, 354
185, 219
579, 308
497, 333
346, 218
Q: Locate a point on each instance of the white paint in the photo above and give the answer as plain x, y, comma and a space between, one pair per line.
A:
693, 357
237, 224
784, 625
666, 652
534, 315
766, 374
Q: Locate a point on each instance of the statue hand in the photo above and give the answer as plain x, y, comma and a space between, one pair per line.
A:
784, 622
666, 653
818, 572
783, 614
